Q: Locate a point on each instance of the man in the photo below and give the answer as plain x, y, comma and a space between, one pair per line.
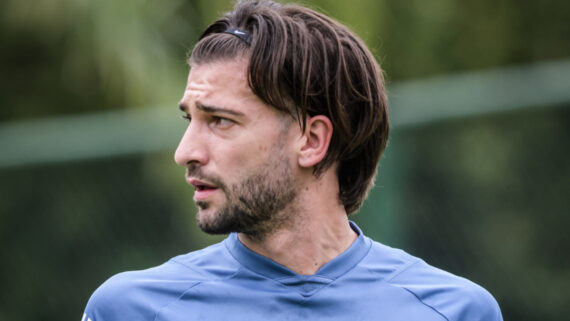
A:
287, 122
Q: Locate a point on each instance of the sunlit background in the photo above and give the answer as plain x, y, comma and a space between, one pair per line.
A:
475, 179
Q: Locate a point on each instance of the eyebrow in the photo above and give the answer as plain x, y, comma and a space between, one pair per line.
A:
211, 109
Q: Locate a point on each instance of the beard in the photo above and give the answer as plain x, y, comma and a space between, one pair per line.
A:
257, 205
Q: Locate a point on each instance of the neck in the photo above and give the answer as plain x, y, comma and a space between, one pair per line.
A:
317, 233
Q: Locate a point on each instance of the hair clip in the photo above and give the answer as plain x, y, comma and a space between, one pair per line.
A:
243, 35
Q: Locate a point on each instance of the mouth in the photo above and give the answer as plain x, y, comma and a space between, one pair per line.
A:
202, 190
200, 185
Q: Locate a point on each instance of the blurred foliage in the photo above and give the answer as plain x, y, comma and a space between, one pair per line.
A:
69, 56
488, 200
482, 197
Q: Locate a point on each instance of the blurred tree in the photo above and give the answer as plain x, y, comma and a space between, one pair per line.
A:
71, 56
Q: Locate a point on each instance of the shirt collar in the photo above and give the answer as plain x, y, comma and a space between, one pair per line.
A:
271, 269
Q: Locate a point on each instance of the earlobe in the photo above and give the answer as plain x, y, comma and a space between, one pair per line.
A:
317, 138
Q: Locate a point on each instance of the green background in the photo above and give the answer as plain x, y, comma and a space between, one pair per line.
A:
475, 179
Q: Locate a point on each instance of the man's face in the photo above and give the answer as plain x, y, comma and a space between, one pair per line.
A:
237, 151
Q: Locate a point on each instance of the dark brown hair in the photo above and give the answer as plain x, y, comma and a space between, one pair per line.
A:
305, 64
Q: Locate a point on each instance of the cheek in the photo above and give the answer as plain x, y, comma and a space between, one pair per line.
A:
241, 160
244, 153
234, 157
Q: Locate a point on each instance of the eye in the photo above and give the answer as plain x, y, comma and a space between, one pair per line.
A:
222, 122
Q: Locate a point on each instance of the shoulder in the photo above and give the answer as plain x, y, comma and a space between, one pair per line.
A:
138, 295
454, 297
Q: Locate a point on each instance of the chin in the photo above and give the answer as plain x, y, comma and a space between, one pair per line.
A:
209, 221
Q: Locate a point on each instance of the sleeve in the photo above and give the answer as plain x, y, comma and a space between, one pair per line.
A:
119, 298
140, 295
470, 301
85, 317
456, 298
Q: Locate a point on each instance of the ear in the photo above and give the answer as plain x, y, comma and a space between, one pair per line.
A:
316, 140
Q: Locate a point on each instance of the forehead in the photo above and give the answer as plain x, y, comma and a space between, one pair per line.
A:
222, 82
234, 71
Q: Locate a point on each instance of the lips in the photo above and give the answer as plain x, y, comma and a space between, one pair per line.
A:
202, 189
200, 185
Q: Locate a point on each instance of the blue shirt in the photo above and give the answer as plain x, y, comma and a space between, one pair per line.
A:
227, 281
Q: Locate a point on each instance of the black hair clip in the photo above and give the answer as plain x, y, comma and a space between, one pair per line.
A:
243, 35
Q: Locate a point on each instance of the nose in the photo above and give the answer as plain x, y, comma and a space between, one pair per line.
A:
192, 148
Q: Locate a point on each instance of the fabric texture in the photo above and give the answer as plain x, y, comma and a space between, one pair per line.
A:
227, 281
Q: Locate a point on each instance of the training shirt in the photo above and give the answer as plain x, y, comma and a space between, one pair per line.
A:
227, 281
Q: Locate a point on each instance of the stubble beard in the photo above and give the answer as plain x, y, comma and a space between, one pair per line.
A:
256, 206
